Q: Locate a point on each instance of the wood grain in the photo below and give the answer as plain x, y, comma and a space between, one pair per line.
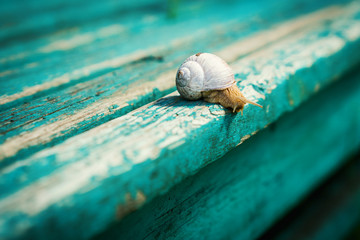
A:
124, 163
139, 78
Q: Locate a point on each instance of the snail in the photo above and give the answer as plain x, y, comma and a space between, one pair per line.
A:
205, 75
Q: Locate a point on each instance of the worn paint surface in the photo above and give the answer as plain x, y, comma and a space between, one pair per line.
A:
243, 193
263, 72
137, 79
98, 54
33, 18
107, 167
52, 119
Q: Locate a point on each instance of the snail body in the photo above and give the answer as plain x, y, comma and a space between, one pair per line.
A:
205, 75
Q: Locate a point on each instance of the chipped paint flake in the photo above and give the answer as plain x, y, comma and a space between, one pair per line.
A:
217, 110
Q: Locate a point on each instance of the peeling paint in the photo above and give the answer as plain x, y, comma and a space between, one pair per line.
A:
113, 160
255, 42
217, 109
263, 60
156, 124
230, 54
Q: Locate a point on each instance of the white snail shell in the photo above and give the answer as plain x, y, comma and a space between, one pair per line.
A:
203, 72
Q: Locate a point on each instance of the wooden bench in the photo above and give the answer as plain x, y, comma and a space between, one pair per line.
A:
96, 142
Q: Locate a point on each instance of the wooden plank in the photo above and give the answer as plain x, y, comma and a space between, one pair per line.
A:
132, 159
52, 119
44, 123
100, 48
7, 147
240, 195
31, 19
330, 212
104, 53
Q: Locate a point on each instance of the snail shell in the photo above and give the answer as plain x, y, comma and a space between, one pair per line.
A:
203, 72
208, 76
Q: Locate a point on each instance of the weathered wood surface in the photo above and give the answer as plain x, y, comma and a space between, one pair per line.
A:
57, 60
121, 169
64, 91
241, 194
24, 20
330, 212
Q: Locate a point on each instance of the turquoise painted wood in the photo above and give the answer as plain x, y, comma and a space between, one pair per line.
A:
84, 86
80, 101
34, 18
119, 91
241, 194
88, 104
170, 128
97, 49
119, 172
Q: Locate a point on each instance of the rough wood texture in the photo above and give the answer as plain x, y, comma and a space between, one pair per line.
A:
241, 194
33, 18
76, 55
95, 177
80, 84
230, 98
